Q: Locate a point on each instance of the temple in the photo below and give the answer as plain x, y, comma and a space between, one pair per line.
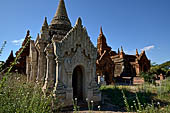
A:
63, 58
118, 66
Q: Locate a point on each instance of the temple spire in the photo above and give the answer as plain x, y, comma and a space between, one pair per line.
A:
137, 54
11, 54
121, 49
122, 54
101, 31
61, 16
45, 22
60, 23
61, 10
118, 51
28, 33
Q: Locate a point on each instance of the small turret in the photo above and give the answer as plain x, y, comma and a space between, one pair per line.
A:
79, 22
101, 31
45, 24
137, 54
118, 52
121, 49
37, 39
44, 36
44, 28
122, 54
101, 42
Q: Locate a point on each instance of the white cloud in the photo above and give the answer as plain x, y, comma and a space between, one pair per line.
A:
18, 42
131, 52
148, 48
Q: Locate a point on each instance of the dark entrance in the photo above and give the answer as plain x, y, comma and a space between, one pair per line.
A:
77, 83
107, 78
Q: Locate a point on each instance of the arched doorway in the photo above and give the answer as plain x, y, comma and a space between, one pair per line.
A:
77, 83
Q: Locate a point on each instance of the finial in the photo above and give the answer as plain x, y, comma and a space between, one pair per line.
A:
28, 33
122, 53
137, 54
79, 21
118, 51
11, 51
45, 22
101, 31
121, 49
11, 54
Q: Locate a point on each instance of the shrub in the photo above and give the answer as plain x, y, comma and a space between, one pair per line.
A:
148, 77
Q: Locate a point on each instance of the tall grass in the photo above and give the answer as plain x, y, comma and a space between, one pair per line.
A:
159, 104
18, 96
145, 98
1, 50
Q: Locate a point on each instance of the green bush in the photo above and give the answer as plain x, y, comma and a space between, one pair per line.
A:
163, 68
148, 77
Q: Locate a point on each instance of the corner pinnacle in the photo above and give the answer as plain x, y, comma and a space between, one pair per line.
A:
45, 22
137, 54
121, 49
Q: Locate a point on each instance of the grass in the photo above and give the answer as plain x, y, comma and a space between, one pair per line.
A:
145, 98
20, 96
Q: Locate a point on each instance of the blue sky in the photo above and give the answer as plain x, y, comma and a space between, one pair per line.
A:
141, 24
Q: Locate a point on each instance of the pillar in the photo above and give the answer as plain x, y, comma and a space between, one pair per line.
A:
41, 65
50, 73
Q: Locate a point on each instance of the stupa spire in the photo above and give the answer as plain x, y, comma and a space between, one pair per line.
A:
60, 23
101, 30
61, 10
61, 16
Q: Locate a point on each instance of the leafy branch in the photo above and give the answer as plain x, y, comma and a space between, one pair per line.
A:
3, 45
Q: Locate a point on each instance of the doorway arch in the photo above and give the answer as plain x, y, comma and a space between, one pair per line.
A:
77, 83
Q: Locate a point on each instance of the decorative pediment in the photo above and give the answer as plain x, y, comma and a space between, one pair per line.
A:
76, 37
